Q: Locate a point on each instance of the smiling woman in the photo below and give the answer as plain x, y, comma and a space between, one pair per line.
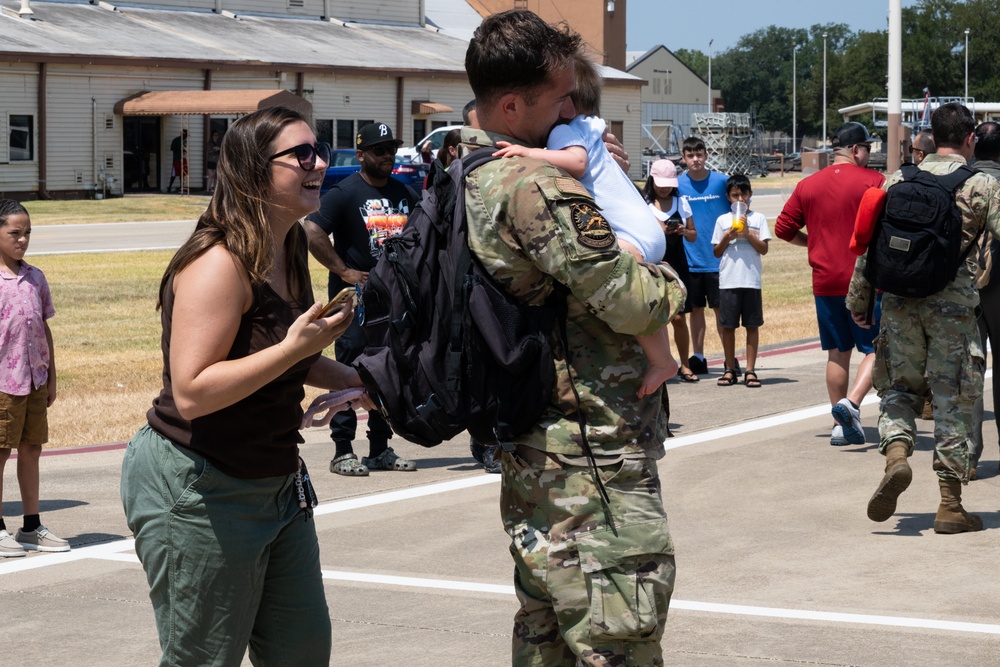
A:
240, 339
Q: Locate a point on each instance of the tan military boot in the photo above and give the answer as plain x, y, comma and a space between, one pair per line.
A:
897, 477
951, 516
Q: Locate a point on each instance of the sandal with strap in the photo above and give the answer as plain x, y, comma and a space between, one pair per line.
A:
728, 379
751, 382
349, 466
687, 375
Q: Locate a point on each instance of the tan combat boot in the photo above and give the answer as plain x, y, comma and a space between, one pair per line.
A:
897, 477
951, 516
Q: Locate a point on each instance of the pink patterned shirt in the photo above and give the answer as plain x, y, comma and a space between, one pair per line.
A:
25, 304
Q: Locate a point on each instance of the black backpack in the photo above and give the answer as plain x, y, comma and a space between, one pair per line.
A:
449, 350
916, 249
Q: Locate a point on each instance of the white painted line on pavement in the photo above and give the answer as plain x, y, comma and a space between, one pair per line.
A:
98, 551
405, 494
756, 425
834, 617
418, 582
709, 607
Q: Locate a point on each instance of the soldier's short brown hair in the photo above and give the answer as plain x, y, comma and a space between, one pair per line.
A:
516, 51
951, 124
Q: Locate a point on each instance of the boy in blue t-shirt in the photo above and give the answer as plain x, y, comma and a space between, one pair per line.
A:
705, 192
739, 243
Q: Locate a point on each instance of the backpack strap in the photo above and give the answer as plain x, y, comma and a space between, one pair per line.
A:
460, 170
558, 301
952, 182
909, 171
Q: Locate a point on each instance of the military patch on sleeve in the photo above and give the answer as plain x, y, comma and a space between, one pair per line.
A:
571, 186
593, 231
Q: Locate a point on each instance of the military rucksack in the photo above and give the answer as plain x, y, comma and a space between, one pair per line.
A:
916, 249
448, 349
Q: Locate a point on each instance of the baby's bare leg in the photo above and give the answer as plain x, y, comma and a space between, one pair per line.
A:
662, 365
631, 249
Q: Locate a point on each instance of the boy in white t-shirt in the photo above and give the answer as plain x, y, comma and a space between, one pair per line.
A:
739, 244
578, 149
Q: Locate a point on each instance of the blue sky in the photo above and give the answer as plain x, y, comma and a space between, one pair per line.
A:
690, 24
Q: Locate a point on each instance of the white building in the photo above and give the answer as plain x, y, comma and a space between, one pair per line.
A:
71, 75
671, 95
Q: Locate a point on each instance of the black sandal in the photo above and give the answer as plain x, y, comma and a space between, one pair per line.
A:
728, 379
688, 376
753, 383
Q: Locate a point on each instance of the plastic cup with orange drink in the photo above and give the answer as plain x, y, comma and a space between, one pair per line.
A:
739, 210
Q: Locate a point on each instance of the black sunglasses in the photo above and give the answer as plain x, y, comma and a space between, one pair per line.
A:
307, 154
381, 150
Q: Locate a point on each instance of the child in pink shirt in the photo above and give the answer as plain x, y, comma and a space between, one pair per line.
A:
27, 377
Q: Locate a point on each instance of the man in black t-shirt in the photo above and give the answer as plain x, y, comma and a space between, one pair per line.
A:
346, 236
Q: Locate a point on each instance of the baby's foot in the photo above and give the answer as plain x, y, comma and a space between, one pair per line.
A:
656, 376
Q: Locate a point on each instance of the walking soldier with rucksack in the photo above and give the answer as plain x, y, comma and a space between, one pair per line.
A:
928, 330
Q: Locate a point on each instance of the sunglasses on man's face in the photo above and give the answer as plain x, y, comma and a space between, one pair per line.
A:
307, 154
381, 150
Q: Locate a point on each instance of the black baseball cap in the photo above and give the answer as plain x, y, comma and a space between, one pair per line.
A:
376, 133
850, 134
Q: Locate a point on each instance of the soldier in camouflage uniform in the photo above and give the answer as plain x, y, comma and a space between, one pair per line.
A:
934, 336
594, 576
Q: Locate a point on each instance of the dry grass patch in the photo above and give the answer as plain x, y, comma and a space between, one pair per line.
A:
107, 341
134, 208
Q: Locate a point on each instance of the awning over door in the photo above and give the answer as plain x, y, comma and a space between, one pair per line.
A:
421, 108
205, 102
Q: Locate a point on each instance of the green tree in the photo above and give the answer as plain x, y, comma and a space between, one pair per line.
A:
756, 75
695, 60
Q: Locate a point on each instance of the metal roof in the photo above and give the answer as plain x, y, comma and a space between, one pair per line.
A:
222, 102
122, 32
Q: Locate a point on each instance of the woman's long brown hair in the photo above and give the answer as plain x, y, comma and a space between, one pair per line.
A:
237, 215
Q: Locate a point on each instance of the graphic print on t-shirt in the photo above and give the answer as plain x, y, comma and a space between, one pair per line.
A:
383, 220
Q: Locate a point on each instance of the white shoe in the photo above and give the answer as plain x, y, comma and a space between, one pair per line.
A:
9, 548
837, 438
849, 418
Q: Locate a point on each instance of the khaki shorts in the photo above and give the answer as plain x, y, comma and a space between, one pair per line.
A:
23, 419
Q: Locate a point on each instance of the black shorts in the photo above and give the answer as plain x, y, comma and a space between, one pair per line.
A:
703, 287
740, 303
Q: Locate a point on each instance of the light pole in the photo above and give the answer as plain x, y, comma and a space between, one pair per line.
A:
824, 88
710, 75
966, 67
795, 48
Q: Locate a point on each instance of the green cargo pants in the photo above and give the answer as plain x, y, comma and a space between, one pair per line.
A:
230, 562
591, 593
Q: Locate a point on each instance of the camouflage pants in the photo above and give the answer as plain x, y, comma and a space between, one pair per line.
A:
591, 594
939, 339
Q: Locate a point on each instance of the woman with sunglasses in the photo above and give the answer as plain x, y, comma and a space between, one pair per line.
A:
211, 486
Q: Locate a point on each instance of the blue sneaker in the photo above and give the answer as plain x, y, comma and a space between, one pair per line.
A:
837, 438
849, 418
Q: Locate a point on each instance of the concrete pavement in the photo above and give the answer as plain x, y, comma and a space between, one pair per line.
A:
777, 562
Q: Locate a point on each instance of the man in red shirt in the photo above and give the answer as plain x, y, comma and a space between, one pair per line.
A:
827, 202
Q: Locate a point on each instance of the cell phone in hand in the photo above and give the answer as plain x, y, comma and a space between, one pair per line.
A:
348, 294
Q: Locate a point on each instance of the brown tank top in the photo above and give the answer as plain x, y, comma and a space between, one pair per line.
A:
259, 435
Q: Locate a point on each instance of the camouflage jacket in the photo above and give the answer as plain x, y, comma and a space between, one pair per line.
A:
978, 199
531, 225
